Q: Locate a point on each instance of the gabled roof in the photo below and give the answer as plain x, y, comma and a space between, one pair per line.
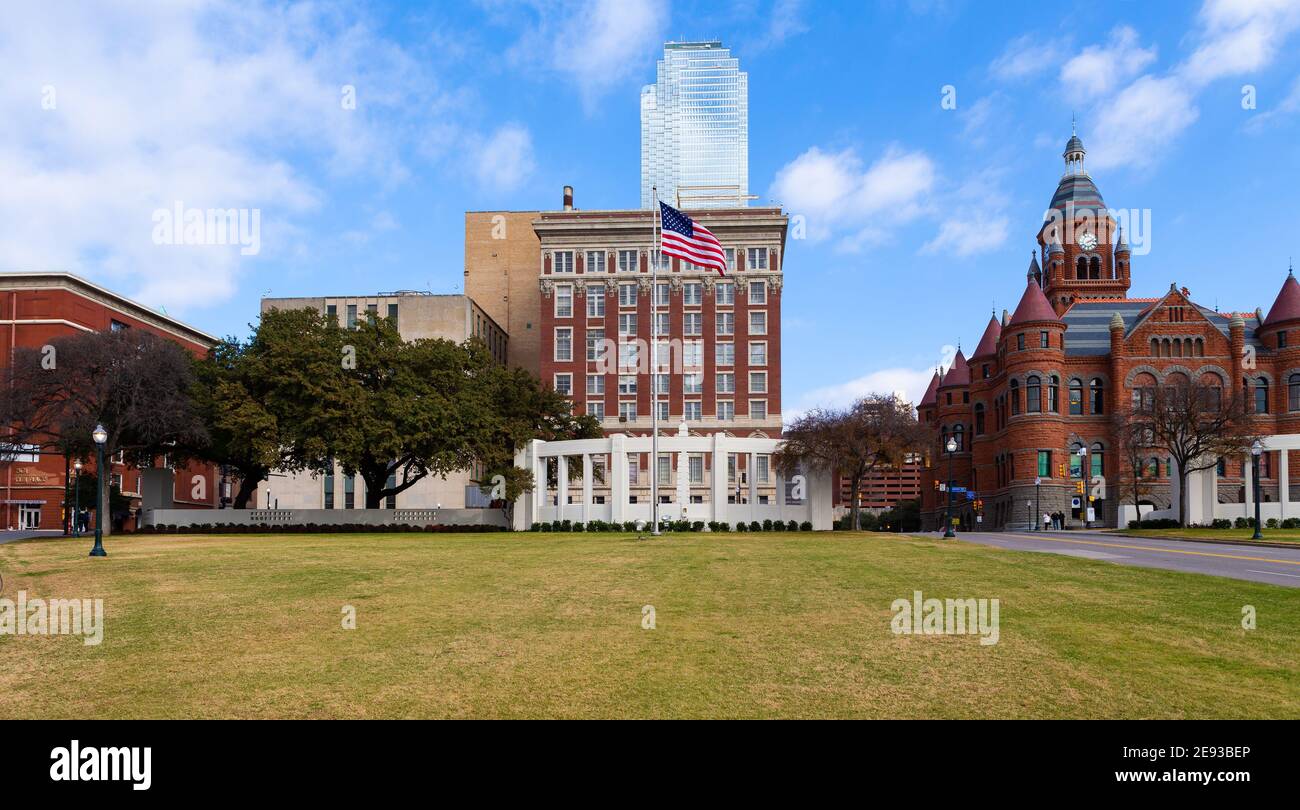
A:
1287, 305
959, 374
1033, 306
1089, 323
931, 393
989, 342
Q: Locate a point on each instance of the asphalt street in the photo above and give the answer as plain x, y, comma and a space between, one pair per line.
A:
1276, 566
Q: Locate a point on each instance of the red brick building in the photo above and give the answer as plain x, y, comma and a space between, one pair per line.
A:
36, 308
1045, 380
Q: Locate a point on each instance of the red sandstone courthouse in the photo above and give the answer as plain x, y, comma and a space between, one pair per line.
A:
1044, 381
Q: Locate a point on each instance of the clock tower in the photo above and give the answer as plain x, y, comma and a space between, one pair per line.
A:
1083, 251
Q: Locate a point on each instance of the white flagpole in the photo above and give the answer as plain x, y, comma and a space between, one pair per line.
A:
654, 366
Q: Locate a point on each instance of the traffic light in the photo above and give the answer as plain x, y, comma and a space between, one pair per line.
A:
1060, 470
1078, 487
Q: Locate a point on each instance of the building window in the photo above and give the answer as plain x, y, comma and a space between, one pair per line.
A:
332, 314
984, 371
564, 384
1044, 340
392, 313
595, 261
726, 322
627, 323
1261, 395
1293, 392
758, 293
349, 491
627, 411
627, 261
758, 353
564, 300
595, 345
1098, 391
563, 344
1054, 394
695, 468
724, 293
731, 258
691, 411
726, 354
726, 410
726, 383
563, 261
627, 384
596, 409
693, 323
756, 259
1033, 394
758, 323
758, 409
1020, 341
692, 383
663, 294
595, 301
117, 326
1076, 398
979, 419
758, 382
352, 316
1015, 397
692, 294
663, 324
1076, 463
662, 408
329, 486
627, 295
1281, 339
595, 384
1044, 463
1098, 459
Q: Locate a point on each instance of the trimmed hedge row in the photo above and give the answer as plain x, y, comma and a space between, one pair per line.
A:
312, 528
1218, 523
671, 526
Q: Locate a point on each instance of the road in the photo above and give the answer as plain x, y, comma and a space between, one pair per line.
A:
1276, 566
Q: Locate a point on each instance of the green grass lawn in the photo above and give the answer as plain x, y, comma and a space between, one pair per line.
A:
549, 625
1270, 535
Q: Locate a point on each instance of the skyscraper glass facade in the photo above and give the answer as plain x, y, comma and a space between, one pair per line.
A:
695, 128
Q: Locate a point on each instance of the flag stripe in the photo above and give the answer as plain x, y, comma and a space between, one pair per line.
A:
687, 239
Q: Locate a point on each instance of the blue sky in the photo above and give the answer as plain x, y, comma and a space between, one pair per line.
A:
920, 219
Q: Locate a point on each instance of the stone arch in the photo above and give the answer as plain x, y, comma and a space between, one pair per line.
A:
1136, 370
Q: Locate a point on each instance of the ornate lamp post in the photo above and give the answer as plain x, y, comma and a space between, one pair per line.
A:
101, 437
951, 447
1256, 450
76, 499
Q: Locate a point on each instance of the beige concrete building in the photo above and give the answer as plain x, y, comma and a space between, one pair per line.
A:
502, 255
418, 315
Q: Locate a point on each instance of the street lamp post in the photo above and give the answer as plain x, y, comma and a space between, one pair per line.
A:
1083, 473
100, 436
76, 499
1256, 450
1038, 498
951, 447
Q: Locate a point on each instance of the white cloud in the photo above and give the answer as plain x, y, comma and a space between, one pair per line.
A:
838, 195
505, 159
595, 44
786, 19
1023, 57
966, 237
908, 383
1099, 69
1134, 128
1240, 36
1289, 104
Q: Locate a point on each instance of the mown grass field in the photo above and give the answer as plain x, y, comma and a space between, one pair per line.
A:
529, 625
1238, 535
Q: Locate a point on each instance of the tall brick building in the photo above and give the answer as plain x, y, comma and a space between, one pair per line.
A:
1045, 380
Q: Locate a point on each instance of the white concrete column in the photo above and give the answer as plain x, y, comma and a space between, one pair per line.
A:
683, 483
1283, 483
718, 480
586, 487
752, 476
561, 486
618, 479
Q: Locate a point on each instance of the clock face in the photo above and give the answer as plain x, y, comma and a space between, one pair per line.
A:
1088, 240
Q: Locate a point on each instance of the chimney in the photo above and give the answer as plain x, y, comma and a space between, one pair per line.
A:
568, 198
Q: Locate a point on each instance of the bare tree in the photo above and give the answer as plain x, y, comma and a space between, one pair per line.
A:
876, 432
1133, 440
132, 382
1197, 424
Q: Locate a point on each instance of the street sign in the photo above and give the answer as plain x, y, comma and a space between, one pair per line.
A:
1038, 481
970, 496
959, 489
1092, 514
1075, 503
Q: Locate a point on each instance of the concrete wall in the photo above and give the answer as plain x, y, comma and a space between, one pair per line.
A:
325, 517
502, 262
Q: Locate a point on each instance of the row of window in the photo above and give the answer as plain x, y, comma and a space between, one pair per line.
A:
692, 383
627, 259
692, 410
350, 490
692, 296
1010, 404
692, 322
629, 352
332, 312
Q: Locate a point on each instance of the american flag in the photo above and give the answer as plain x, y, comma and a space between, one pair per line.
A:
687, 239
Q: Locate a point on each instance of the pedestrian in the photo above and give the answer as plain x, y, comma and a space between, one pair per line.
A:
1047, 521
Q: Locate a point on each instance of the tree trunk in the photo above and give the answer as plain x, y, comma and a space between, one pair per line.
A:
247, 489
1182, 497
375, 479
104, 517
854, 484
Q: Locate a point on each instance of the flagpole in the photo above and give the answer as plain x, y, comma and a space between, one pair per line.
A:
654, 361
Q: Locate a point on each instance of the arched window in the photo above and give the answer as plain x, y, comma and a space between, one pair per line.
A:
979, 418
1054, 394
1033, 394
1098, 455
1015, 397
1094, 268
1081, 268
1155, 347
1153, 468
1098, 389
943, 439
959, 436
1261, 395
1076, 463
1221, 467
1293, 393
1076, 397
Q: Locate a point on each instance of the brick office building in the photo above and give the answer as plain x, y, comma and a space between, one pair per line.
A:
1045, 380
574, 291
37, 308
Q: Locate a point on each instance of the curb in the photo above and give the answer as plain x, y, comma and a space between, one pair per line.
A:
1251, 543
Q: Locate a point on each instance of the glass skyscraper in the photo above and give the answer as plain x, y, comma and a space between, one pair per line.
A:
695, 128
